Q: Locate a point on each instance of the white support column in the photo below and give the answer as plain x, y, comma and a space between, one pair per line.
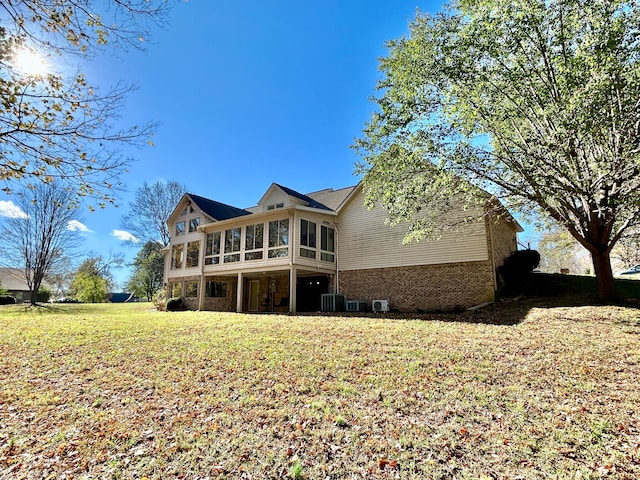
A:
239, 294
292, 288
201, 293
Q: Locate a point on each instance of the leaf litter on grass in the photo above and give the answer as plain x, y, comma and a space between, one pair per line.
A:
126, 392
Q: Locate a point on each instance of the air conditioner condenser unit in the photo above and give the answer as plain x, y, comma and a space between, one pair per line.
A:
380, 305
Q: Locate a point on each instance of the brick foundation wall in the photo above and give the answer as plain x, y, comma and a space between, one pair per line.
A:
222, 304
426, 287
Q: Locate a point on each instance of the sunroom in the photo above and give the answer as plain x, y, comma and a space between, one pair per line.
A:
283, 260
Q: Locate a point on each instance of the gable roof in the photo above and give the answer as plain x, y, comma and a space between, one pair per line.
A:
216, 210
332, 198
13, 279
305, 198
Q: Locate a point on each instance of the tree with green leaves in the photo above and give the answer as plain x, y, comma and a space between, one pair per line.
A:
56, 127
150, 210
93, 278
148, 270
41, 236
533, 101
559, 251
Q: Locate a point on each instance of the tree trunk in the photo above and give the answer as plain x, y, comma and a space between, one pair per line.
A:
605, 286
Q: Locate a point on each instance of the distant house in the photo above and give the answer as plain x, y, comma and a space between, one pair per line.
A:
122, 297
13, 280
291, 248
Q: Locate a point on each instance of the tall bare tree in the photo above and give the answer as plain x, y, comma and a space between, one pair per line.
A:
39, 239
150, 209
56, 127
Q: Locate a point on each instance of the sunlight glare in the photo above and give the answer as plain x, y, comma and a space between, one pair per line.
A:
29, 62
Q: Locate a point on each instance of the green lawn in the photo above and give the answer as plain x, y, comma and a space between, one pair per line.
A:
123, 391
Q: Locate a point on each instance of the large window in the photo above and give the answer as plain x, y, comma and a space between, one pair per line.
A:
193, 224
327, 244
232, 244
253, 242
176, 256
180, 228
191, 289
193, 254
215, 289
212, 249
307, 239
279, 238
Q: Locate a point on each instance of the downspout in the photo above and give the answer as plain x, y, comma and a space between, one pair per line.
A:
494, 275
337, 264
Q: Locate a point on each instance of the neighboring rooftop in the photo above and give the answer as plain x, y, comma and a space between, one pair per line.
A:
12, 279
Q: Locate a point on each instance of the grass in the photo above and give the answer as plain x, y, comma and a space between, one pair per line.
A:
123, 391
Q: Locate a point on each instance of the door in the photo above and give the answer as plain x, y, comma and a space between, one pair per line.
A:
309, 292
254, 297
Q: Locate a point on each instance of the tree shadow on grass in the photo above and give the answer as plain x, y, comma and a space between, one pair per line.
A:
71, 307
543, 291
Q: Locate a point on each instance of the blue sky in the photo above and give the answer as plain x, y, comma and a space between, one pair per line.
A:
248, 93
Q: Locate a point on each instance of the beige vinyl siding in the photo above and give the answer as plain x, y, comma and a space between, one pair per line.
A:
365, 241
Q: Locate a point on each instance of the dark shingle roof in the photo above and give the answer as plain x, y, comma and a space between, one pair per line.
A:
310, 201
216, 210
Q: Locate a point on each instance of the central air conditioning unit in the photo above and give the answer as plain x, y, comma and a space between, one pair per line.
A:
333, 302
357, 306
380, 305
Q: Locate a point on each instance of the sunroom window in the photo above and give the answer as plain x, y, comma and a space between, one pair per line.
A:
212, 249
327, 244
232, 238
279, 238
307, 239
254, 242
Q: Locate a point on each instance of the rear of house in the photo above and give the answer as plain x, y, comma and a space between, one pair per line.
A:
290, 249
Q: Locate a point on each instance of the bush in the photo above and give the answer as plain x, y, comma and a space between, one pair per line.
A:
174, 304
44, 294
7, 299
160, 300
515, 271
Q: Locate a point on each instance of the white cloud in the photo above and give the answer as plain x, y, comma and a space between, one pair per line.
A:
76, 226
125, 236
8, 209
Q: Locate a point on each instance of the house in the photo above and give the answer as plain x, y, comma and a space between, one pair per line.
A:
13, 280
287, 251
122, 297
